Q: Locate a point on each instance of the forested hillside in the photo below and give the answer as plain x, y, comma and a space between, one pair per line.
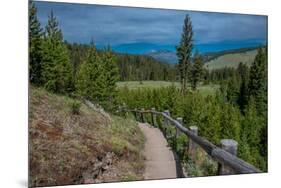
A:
131, 67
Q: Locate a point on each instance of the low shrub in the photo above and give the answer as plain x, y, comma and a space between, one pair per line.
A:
75, 107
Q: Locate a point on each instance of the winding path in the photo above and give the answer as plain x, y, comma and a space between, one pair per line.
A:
160, 162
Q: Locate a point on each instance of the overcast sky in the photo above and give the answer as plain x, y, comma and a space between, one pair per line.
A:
119, 25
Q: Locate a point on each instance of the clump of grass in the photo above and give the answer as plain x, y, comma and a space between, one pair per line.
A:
192, 169
125, 135
127, 142
129, 177
119, 146
203, 165
75, 107
210, 167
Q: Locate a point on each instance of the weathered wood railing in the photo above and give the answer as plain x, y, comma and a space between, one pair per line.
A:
225, 155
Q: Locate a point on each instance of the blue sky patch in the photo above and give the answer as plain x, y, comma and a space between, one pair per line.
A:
144, 30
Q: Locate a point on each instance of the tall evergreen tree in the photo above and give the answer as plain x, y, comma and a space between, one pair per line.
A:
233, 87
211, 126
184, 52
56, 72
77, 55
196, 71
252, 149
258, 90
243, 97
90, 79
258, 82
35, 46
251, 124
111, 74
230, 122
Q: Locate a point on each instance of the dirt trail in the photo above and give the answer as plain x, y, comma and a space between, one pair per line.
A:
160, 162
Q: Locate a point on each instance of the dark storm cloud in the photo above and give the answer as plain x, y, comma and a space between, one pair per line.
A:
116, 25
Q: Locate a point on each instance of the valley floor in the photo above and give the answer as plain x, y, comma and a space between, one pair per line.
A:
205, 90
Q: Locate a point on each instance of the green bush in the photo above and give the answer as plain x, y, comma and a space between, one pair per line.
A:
192, 169
75, 107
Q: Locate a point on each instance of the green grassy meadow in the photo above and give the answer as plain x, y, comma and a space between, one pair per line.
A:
146, 84
203, 89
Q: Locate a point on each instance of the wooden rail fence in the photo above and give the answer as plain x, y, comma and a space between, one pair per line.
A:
225, 155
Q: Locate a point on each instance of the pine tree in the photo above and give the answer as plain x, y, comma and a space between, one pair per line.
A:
111, 74
184, 52
56, 72
258, 90
251, 136
233, 89
90, 81
35, 46
230, 122
196, 71
77, 54
211, 126
243, 97
258, 82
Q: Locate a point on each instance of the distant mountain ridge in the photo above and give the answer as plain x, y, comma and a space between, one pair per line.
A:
141, 48
168, 56
164, 56
167, 53
171, 57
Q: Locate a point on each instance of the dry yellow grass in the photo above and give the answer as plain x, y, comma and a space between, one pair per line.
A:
232, 60
64, 148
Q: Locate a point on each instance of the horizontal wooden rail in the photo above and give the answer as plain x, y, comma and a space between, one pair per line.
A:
220, 155
237, 164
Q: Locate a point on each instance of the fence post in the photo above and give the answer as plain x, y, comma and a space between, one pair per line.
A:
119, 110
135, 114
153, 118
192, 148
142, 117
178, 133
166, 122
124, 109
230, 146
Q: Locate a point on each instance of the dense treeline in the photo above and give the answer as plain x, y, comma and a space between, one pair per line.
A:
237, 111
131, 67
141, 67
218, 75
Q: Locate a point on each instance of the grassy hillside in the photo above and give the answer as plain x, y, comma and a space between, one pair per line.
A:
232, 60
72, 145
203, 89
